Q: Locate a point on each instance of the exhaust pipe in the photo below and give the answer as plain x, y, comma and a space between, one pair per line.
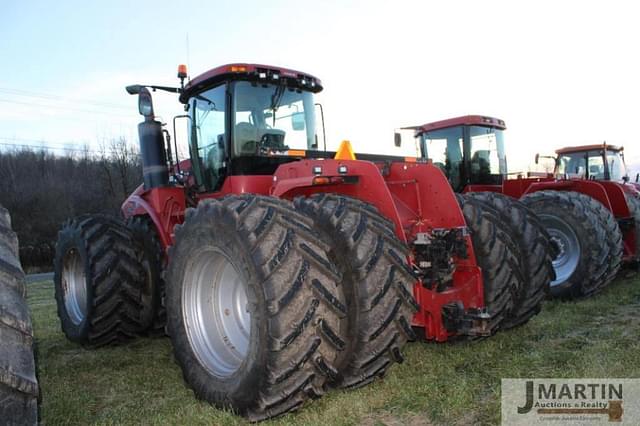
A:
154, 155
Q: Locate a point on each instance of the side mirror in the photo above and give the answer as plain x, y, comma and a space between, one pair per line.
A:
145, 103
537, 158
297, 121
626, 179
397, 139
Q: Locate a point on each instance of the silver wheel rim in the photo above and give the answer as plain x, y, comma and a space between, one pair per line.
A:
216, 315
74, 287
566, 241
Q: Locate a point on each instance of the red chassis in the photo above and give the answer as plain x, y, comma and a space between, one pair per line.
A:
415, 196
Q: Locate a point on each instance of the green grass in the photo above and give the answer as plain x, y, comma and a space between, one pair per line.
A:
437, 384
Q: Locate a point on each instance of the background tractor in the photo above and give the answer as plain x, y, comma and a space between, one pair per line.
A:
588, 207
278, 269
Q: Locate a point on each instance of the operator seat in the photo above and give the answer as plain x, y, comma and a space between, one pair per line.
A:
246, 137
481, 160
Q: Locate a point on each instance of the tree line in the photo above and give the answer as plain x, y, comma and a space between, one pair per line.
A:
42, 190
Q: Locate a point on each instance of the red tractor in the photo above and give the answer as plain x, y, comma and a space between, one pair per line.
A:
278, 269
588, 207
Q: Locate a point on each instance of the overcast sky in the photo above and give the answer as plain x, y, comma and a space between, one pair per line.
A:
559, 73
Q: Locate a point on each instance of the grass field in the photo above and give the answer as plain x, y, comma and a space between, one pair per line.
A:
437, 384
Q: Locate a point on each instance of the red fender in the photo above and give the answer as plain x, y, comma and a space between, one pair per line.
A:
164, 206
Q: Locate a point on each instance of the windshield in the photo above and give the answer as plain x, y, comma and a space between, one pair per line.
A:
444, 149
617, 169
590, 165
574, 165
268, 118
486, 153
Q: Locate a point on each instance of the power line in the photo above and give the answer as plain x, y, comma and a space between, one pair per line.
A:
41, 95
66, 108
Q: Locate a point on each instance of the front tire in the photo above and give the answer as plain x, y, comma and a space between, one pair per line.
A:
255, 311
377, 280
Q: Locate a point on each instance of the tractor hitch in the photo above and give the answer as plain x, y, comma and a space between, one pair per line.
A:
434, 255
469, 322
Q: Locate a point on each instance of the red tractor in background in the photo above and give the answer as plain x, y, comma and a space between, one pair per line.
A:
278, 269
592, 216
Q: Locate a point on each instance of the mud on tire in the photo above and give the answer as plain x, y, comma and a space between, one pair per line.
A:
534, 251
144, 232
574, 222
18, 382
497, 257
267, 356
377, 280
97, 280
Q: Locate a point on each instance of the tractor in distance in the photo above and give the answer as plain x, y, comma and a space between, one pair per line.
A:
592, 219
601, 162
279, 269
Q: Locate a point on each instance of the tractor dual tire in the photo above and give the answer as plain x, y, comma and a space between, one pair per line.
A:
534, 251
273, 338
144, 232
575, 222
377, 280
615, 242
633, 202
497, 257
97, 280
18, 381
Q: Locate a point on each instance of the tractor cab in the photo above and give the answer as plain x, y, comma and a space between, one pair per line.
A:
594, 162
243, 119
468, 149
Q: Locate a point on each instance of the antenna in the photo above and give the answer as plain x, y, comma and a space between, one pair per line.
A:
188, 60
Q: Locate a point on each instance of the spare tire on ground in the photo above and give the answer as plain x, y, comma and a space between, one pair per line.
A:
18, 383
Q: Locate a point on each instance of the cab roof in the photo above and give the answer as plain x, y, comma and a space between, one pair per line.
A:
582, 148
465, 120
257, 72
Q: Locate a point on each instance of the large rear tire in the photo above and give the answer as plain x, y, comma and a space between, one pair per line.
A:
18, 382
97, 279
377, 280
496, 255
152, 255
576, 228
534, 252
255, 309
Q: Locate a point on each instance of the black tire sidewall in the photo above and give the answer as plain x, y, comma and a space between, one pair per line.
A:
71, 238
